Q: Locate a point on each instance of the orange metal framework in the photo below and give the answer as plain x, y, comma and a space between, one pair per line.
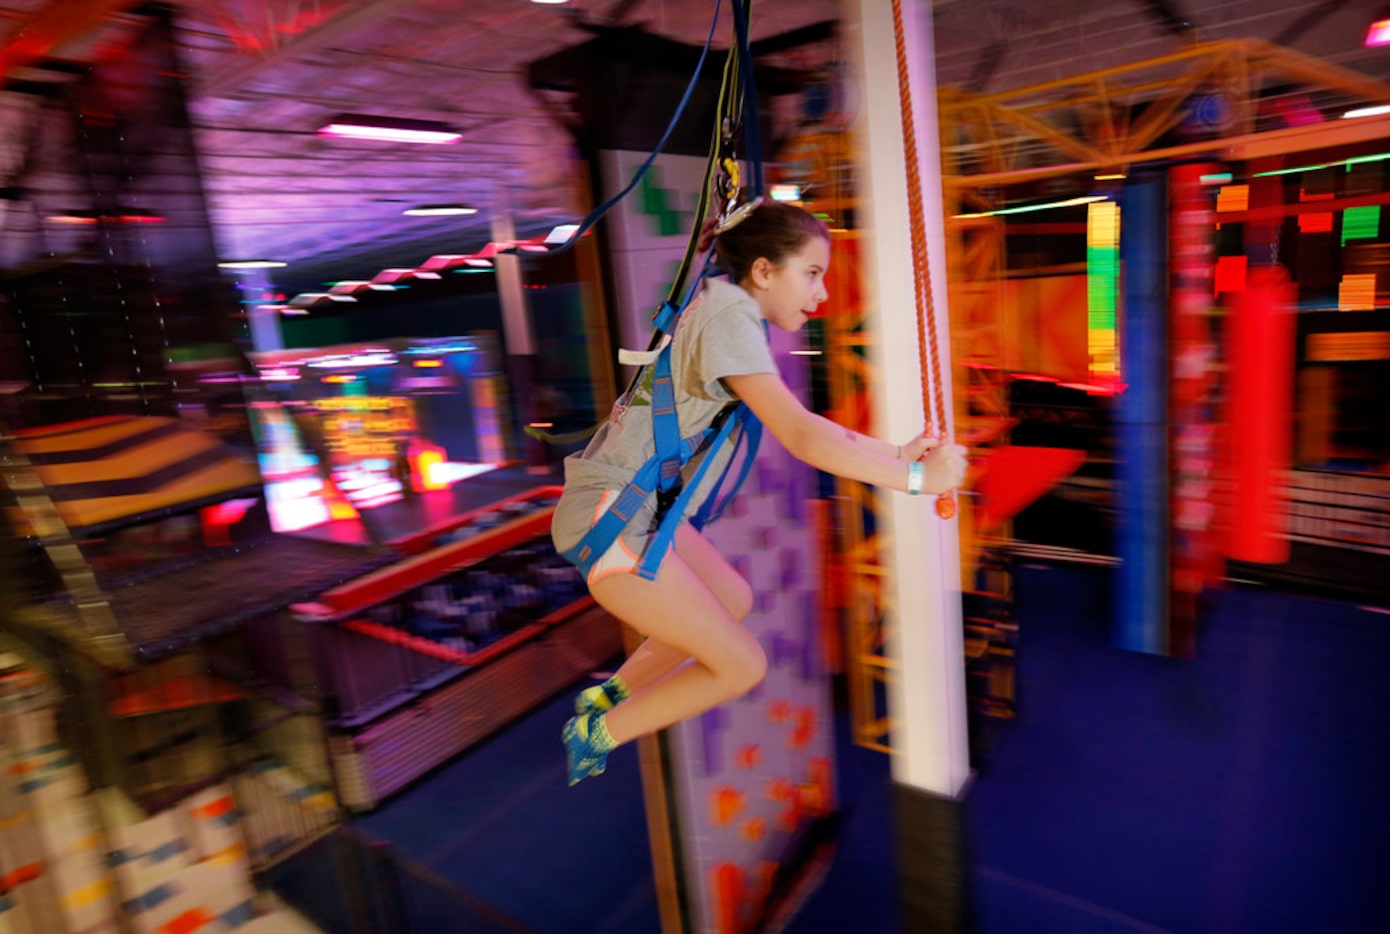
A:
1105, 119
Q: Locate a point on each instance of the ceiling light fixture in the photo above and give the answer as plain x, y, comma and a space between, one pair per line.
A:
439, 210
1379, 33
126, 216
252, 264
390, 129
1376, 111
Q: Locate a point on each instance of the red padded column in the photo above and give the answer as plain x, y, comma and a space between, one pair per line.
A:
1261, 415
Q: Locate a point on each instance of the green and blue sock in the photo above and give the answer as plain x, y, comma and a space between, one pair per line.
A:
587, 745
602, 698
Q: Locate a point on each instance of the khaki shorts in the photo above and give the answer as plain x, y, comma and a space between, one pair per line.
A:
570, 524
619, 558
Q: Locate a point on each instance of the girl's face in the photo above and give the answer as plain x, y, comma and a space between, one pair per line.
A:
789, 291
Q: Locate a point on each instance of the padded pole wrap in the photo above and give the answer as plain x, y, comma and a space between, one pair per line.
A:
1142, 533
1261, 352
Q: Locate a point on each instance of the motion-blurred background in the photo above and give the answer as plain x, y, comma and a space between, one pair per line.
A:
289, 358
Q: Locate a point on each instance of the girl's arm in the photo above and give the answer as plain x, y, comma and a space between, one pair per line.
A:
829, 447
911, 451
885, 448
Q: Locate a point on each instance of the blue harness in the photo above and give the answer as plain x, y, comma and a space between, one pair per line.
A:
660, 476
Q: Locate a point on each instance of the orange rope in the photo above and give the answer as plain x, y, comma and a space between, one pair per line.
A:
928, 344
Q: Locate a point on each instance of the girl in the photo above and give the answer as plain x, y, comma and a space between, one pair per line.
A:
696, 653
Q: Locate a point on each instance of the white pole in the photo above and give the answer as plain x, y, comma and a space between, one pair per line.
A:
516, 313
926, 698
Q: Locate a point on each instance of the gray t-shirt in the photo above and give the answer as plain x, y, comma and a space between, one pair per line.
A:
721, 334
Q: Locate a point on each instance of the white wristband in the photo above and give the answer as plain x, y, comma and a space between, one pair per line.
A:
914, 478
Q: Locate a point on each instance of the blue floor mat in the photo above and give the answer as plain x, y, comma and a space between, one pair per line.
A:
1238, 791
500, 823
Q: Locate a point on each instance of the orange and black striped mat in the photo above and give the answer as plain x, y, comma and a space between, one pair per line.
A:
104, 470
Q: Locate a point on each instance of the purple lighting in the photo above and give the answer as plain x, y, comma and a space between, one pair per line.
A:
390, 129
1379, 33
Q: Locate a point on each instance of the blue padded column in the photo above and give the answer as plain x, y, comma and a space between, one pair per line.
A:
1141, 423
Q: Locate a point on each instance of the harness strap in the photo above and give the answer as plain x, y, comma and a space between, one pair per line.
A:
666, 424
660, 543
751, 436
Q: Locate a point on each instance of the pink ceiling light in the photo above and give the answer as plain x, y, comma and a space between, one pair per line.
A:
389, 129
1379, 33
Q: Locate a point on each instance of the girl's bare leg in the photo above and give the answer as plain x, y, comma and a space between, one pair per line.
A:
653, 659
685, 614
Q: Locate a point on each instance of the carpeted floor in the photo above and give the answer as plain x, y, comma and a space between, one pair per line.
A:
1242, 790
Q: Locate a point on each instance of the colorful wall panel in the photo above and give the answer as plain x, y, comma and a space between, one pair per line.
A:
756, 773
646, 235
1195, 563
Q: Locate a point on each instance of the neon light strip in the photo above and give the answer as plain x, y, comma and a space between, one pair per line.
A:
1355, 160
1029, 208
1376, 111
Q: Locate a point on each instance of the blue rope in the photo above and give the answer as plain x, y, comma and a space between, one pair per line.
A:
597, 213
752, 132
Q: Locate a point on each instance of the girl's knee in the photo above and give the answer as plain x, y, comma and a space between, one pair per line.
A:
752, 667
741, 601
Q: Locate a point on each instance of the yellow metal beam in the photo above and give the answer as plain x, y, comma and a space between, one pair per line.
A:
1047, 133
1163, 114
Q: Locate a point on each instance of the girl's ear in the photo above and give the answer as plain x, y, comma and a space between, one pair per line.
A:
760, 272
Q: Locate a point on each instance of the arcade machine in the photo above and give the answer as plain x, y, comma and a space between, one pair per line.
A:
389, 420
247, 683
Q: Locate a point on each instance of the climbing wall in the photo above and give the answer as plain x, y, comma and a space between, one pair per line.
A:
757, 775
751, 783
